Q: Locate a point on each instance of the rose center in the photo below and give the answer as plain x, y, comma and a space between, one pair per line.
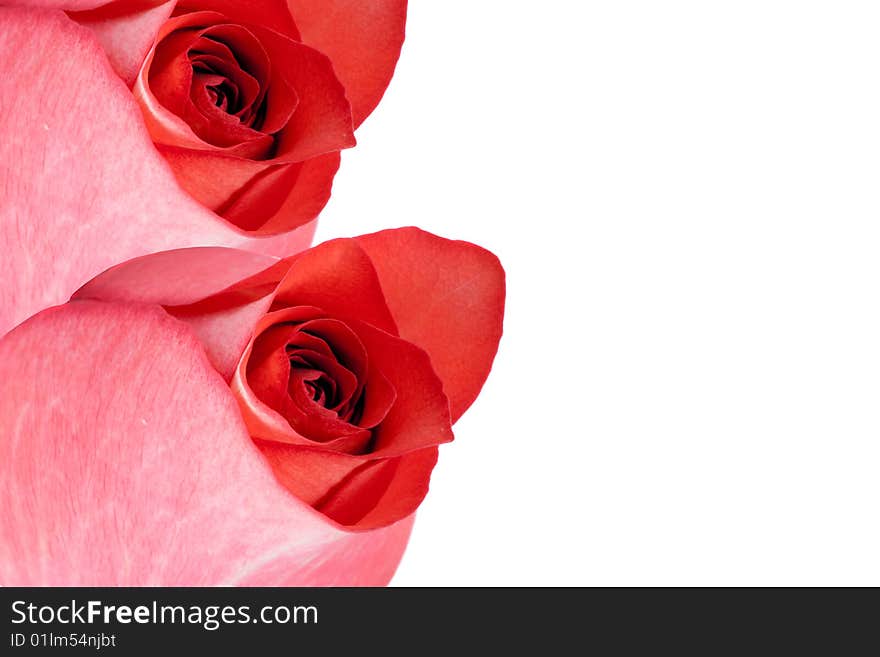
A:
324, 382
322, 388
222, 92
228, 87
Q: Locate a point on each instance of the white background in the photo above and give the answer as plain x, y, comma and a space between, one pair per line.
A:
685, 197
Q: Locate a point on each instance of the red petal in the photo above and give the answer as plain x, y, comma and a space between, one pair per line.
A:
81, 5
339, 278
307, 472
273, 14
256, 196
353, 490
65, 218
305, 188
169, 491
419, 417
164, 125
355, 496
404, 493
127, 31
448, 298
322, 122
361, 37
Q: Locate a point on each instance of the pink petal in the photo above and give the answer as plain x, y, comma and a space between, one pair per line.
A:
124, 461
83, 187
184, 279
127, 31
176, 278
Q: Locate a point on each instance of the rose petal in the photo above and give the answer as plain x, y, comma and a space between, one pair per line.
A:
322, 122
419, 417
65, 218
308, 472
164, 126
354, 491
126, 30
284, 197
407, 487
272, 14
169, 491
339, 278
448, 298
267, 199
176, 278
81, 5
348, 501
362, 38
379, 398
220, 293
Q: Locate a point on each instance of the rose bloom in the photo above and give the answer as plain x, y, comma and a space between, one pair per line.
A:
336, 372
251, 102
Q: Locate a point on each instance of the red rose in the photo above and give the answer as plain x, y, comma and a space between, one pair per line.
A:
347, 371
251, 103
347, 363
137, 469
